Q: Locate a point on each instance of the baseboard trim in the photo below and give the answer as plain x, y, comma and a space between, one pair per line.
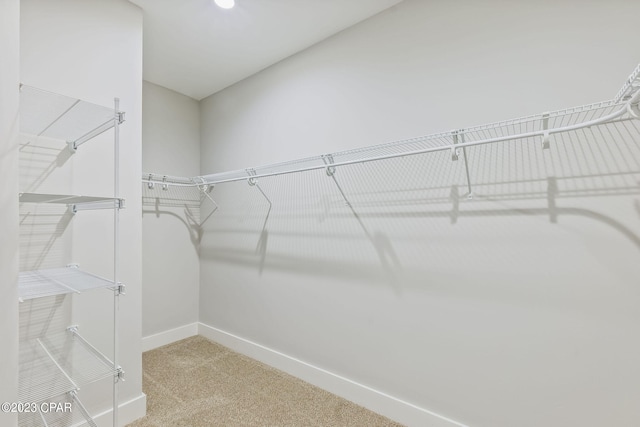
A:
128, 412
372, 399
167, 337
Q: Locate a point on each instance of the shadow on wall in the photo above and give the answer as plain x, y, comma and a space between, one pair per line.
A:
40, 158
181, 203
43, 227
42, 243
402, 221
41, 316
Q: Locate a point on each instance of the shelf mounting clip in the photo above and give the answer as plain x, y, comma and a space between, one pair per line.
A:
119, 374
72, 146
546, 144
328, 160
458, 138
120, 289
252, 173
455, 152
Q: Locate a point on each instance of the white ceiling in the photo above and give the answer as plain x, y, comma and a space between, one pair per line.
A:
197, 48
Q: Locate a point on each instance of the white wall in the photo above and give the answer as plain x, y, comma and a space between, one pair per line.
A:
171, 273
499, 317
9, 80
93, 51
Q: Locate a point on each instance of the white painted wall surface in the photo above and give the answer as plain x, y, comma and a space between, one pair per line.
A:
171, 272
93, 51
497, 318
9, 80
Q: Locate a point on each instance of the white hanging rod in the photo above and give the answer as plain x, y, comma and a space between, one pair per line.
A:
626, 100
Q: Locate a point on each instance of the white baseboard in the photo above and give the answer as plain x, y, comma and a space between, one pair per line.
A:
167, 337
128, 412
374, 400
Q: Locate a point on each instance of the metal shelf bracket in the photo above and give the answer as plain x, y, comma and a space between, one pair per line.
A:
328, 160
120, 375
455, 152
458, 138
116, 203
72, 146
546, 144
252, 173
120, 289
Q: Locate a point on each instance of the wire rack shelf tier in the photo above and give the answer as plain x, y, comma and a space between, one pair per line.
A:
77, 202
64, 410
623, 107
51, 115
58, 281
58, 363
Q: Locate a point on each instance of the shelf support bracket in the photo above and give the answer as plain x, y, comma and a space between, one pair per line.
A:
458, 137
328, 160
546, 144
117, 204
119, 375
455, 152
252, 173
331, 170
120, 289
261, 248
72, 146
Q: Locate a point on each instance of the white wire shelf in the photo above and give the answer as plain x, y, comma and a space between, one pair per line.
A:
39, 377
51, 115
57, 281
541, 126
77, 202
59, 363
66, 410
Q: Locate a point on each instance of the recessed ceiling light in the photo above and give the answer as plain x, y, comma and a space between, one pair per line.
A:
225, 4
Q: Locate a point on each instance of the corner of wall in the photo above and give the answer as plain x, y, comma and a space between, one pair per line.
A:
9, 107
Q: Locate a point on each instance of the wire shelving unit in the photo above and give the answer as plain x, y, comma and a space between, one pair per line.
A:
54, 365
544, 126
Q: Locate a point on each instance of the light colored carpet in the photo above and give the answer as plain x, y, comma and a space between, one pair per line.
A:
198, 383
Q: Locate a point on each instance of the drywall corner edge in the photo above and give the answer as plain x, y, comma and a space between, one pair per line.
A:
377, 401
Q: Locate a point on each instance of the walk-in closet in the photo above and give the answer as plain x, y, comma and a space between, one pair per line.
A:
303, 213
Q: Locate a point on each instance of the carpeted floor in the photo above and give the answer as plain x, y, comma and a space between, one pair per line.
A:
198, 383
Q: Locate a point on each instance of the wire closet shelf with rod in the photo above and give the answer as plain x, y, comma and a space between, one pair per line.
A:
56, 361
608, 130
